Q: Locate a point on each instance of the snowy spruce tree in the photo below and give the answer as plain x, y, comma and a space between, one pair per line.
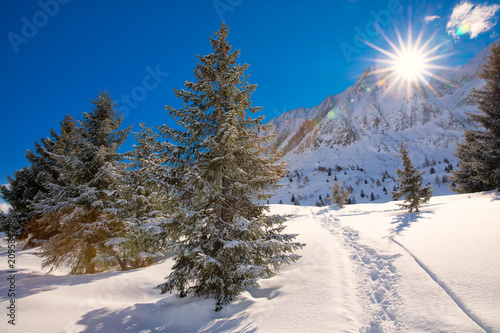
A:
410, 183
479, 154
223, 240
146, 201
28, 185
22, 188
81, 211
465, 177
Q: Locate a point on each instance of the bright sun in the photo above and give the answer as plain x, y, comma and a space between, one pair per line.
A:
409, 64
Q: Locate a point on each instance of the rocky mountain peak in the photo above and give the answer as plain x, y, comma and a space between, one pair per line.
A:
371, 117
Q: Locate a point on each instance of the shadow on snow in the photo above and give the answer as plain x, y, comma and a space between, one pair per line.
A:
175, 314
404, 221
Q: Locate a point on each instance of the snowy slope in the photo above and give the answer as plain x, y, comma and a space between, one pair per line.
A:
367, 268
311, 184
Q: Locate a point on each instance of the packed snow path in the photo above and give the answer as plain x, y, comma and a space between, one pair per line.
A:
352, 277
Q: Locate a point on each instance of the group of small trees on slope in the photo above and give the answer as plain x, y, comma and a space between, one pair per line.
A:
194, 192
409, 186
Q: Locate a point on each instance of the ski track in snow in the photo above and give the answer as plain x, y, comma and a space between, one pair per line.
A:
379, 279
450, 292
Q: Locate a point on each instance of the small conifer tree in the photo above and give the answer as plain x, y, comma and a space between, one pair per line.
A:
410, 184
339, 195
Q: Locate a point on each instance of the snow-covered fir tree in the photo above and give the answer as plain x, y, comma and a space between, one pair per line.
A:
410, 183
81, 209
28, 185
223, 239
479, 154
465, 176
22, 188
146, 202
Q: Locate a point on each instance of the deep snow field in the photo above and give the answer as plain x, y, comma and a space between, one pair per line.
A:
369, 267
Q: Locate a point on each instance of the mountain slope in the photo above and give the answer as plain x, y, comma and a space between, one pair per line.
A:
363, 125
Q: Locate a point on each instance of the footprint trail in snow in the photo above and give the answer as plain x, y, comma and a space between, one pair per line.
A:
378, 286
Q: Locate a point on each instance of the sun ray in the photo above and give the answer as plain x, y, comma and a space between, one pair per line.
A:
427, 83
409, 38
434, 49
437, 77
419, 40
401, 43
437, 57
431, 66
394, 47
393, 83
383, 70
387, 53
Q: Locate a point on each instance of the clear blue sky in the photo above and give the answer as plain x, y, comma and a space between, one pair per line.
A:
56, 54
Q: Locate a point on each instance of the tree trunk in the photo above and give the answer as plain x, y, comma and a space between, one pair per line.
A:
218, 176
90, 254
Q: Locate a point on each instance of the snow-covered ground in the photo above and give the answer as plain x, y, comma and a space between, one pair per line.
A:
368, 267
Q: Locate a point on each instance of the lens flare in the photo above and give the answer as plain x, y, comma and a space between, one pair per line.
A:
333, 113
463, 29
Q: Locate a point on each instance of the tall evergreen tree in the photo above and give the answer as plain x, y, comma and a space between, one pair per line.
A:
465, 177
479, 154
223, 240
410, 183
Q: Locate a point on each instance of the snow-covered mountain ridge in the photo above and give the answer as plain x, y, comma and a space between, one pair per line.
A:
363, 125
